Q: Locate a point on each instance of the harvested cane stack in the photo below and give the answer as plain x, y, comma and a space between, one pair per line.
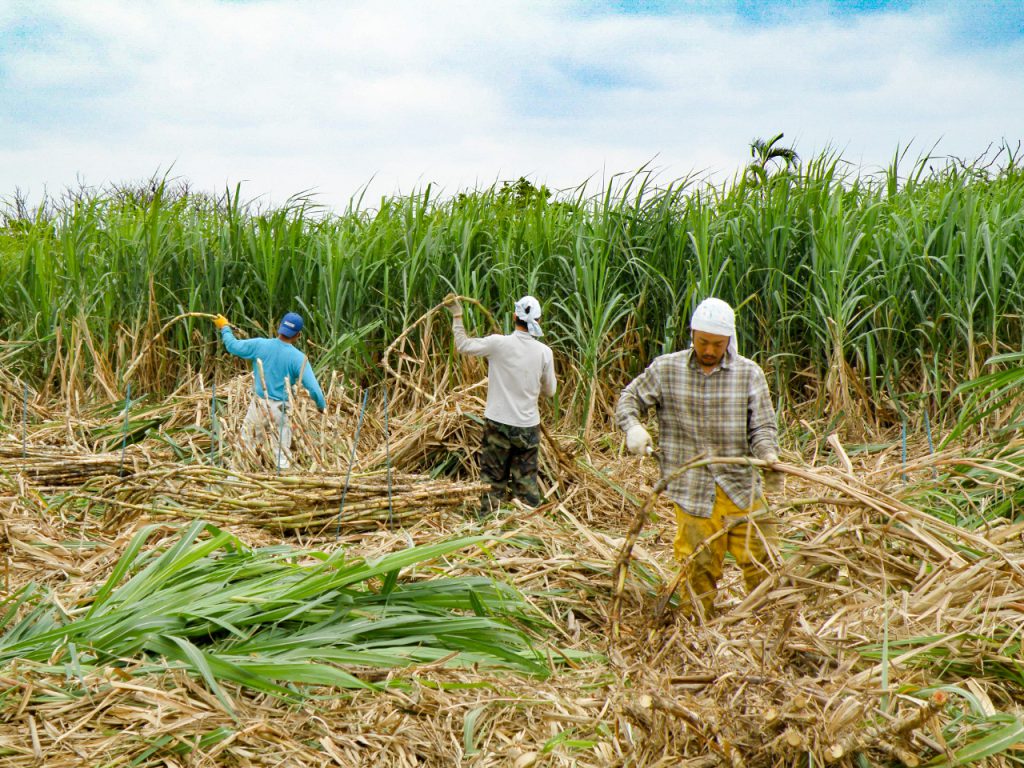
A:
366, 501
55, 469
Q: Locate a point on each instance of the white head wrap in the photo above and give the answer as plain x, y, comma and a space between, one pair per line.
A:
528, 311
715, 316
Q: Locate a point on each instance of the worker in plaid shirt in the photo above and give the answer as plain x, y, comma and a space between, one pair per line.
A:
710, 401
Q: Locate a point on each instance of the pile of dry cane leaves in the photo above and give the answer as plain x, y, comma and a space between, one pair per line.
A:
883, 636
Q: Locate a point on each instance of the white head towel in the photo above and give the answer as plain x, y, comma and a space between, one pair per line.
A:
715, 316
528, 311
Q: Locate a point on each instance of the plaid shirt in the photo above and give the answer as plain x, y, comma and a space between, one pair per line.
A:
725, 413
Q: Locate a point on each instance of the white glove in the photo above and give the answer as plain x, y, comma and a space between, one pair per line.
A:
773, 481
452, 303
638, 441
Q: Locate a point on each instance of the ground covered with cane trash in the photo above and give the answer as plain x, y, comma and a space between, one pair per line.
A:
167, 601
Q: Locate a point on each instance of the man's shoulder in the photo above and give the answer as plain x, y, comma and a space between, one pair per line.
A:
519, 337
296, 354
746, 368
545, 349
673, 359
498, 340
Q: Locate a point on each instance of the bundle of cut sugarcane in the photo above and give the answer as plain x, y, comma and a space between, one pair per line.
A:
50, 468
287, 502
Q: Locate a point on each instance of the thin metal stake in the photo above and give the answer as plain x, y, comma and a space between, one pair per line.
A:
213, 425
903, 475
280, 430
351, 461
24, 422
124, 432
387, 454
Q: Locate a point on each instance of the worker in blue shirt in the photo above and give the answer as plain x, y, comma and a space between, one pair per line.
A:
276, 364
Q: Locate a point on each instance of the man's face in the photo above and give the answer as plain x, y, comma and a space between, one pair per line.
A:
710, 348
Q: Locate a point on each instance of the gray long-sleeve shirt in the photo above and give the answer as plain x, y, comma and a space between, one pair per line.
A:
725, 413
519, 370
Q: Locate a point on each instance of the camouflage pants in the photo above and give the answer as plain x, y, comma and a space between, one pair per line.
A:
508, 461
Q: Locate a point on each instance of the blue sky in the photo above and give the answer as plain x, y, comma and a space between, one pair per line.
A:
286, 96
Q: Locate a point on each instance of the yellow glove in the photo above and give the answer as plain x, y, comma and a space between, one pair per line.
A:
221, 322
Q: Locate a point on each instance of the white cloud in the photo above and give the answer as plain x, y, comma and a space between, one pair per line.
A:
296, 95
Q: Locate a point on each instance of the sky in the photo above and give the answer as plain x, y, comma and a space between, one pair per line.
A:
335, 99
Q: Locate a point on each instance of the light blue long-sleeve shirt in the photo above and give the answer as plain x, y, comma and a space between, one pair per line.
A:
280, 360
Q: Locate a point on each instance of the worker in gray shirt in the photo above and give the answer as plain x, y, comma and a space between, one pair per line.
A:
519, 369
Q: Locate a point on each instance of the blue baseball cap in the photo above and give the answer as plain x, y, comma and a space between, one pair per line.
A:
290, 325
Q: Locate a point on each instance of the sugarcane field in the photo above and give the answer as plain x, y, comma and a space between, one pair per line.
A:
669, 473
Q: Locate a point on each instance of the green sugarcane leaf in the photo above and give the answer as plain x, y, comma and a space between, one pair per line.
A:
469, 734
992, 743
124, 564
